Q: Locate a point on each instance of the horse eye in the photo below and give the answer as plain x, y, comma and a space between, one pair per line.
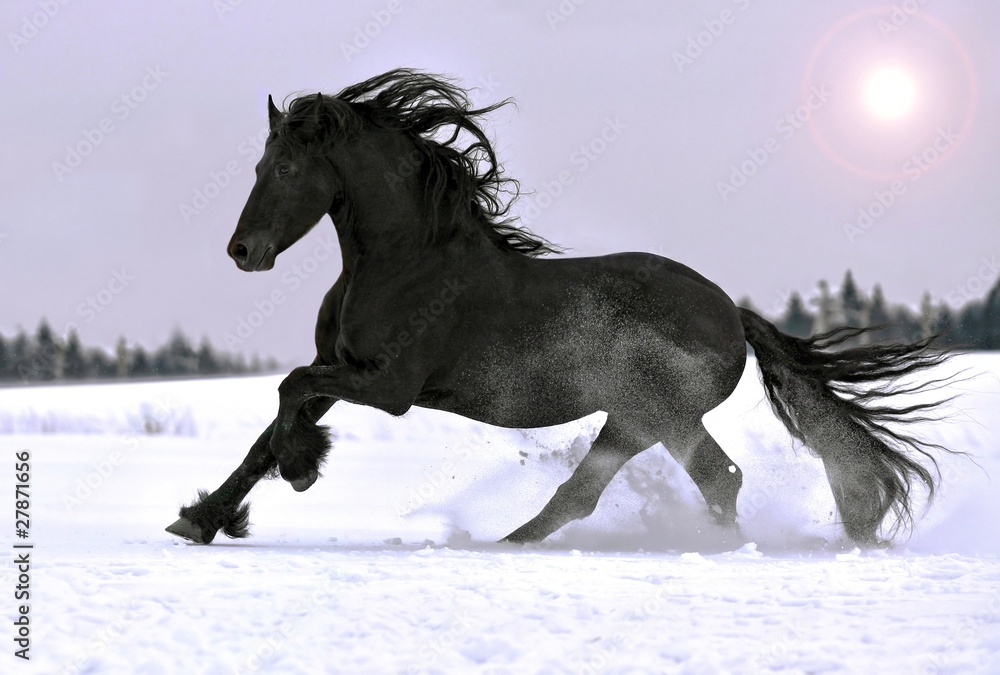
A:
283, 170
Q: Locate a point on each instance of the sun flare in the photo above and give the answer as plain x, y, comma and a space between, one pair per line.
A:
890, 92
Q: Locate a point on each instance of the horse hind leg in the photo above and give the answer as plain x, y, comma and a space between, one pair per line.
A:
717, 477
577, 497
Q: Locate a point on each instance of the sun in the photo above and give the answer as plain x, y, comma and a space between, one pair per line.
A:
890, 92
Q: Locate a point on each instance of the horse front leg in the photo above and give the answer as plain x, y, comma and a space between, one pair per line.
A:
298, 444
224, 509
301, 446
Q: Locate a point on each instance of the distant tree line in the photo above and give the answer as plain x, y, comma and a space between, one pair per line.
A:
44, 357
973, 326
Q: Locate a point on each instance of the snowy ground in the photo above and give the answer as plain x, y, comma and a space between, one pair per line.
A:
386, 565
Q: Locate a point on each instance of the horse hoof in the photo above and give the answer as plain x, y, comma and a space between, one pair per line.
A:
303, 484
185, 529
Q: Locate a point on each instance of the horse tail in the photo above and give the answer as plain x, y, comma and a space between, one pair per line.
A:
833, 401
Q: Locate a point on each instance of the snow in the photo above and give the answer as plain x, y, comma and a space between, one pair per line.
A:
387, 564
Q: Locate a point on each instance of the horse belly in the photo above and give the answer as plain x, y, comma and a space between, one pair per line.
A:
569, 376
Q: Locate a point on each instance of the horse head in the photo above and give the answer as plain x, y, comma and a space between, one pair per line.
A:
296, 185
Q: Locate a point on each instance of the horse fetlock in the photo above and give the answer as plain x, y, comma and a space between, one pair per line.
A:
202, 520
198, 522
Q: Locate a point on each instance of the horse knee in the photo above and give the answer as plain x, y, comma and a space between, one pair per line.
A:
300, 448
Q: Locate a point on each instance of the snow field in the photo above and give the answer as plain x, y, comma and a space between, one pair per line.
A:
387, 563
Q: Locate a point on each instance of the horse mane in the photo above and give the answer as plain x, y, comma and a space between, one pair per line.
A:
463, 176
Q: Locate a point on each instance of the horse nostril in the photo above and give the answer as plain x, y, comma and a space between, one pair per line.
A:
240, 254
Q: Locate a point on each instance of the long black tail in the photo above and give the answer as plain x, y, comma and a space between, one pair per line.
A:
833, 401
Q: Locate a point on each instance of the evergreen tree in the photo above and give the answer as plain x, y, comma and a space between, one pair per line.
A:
991, 319
20, 355
74, 363
101, 365
878, 314
121, 357
182, 357
879, 319
4, 358
746, 303
851, 302
908, 324
944, 325
162, 366
43, 365
926, 316
824, 309
139, 365
208, 363
797, 321
971, 333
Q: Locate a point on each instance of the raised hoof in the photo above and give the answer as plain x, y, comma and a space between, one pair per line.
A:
303, 484
185, 529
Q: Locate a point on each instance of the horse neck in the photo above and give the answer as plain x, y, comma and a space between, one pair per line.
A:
375, 244
385, 219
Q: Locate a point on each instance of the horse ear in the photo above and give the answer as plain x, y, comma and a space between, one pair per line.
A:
273, 114
320, 118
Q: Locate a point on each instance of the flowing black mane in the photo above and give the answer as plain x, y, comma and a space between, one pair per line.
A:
464, 181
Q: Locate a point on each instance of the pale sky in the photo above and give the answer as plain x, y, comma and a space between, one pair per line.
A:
766, 145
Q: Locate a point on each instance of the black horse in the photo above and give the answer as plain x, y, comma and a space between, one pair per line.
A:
444, 303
